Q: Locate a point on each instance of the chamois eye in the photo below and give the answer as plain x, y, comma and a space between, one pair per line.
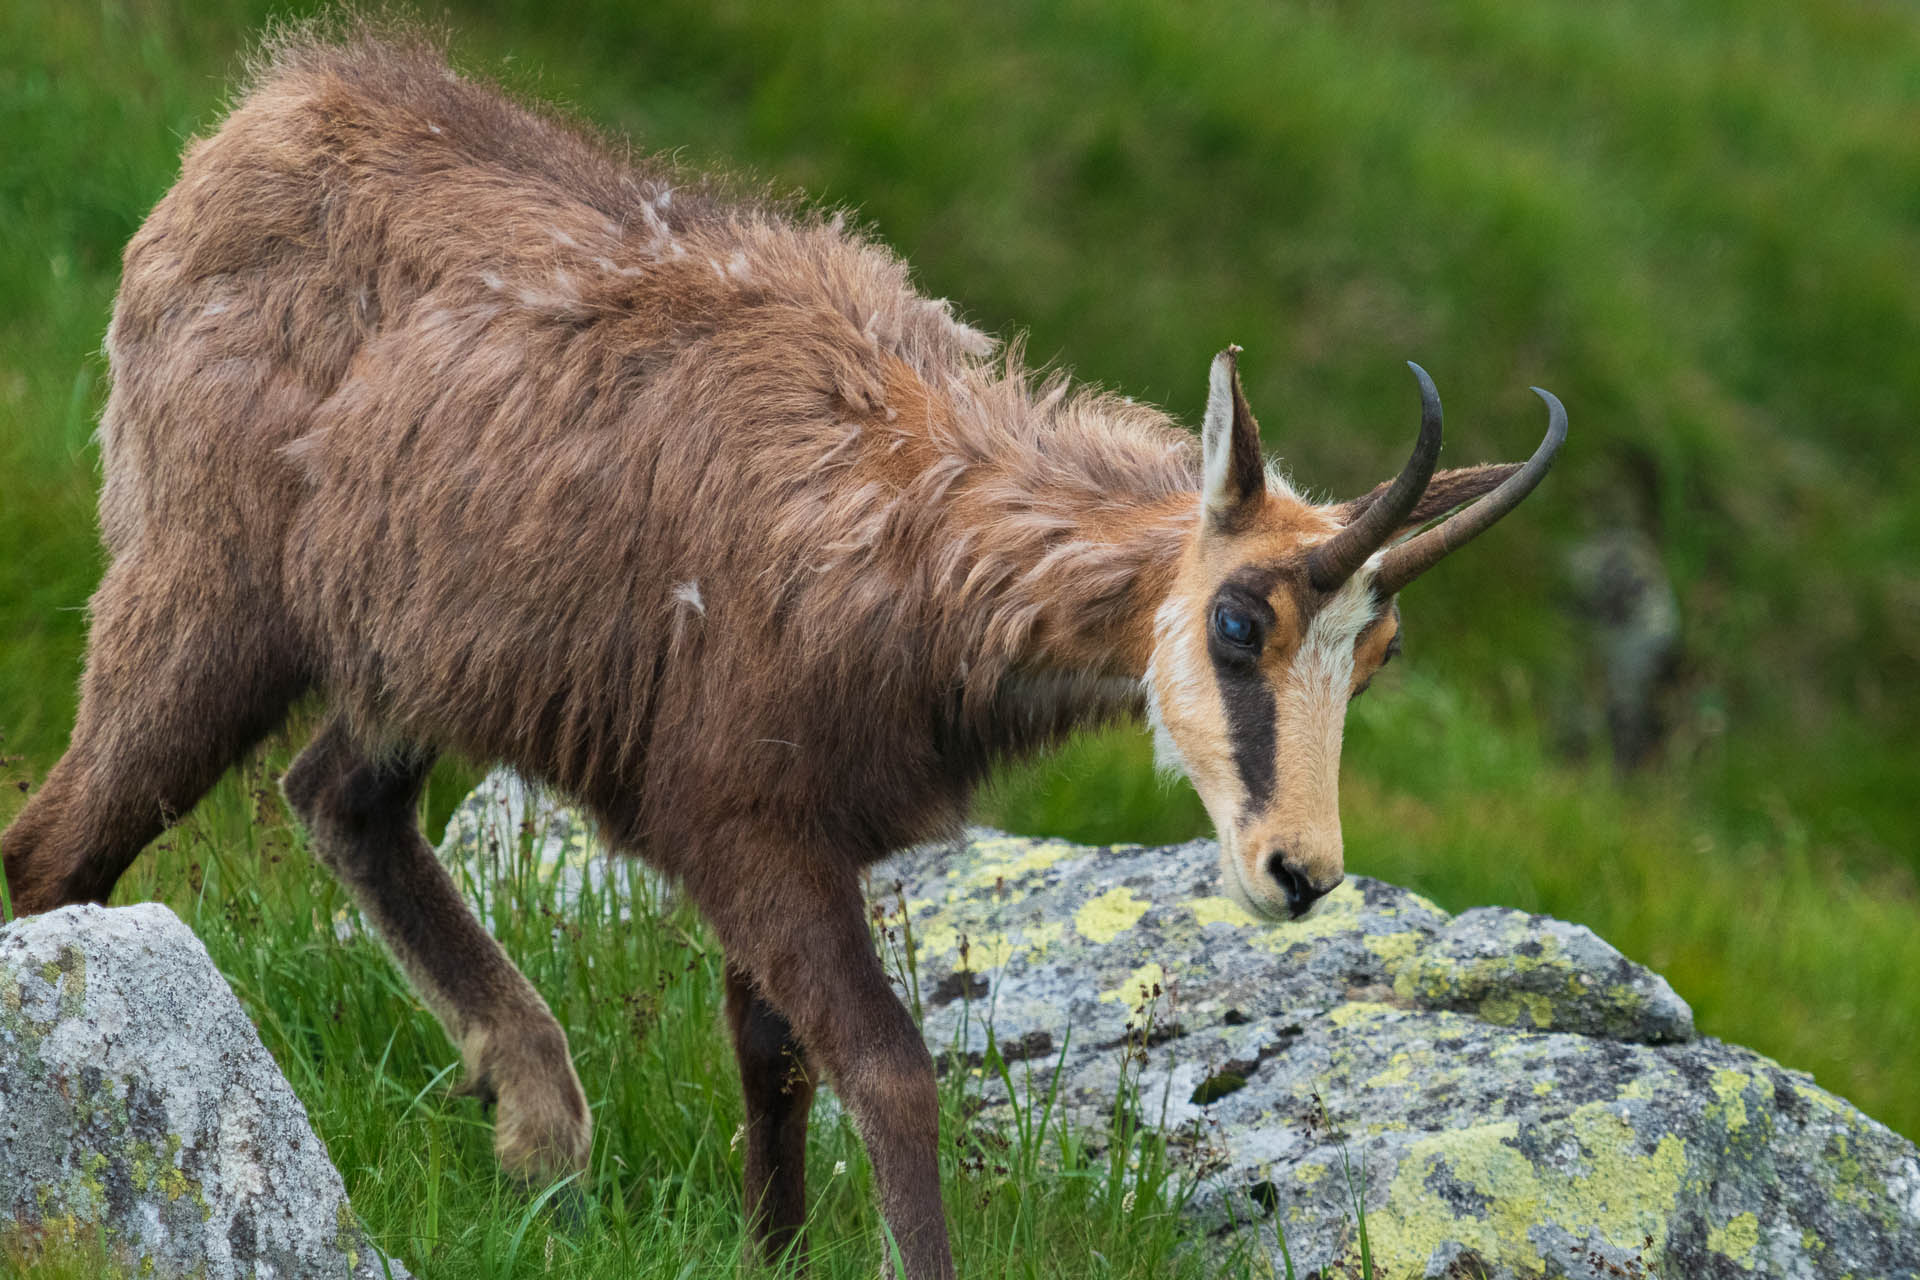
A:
1233, 625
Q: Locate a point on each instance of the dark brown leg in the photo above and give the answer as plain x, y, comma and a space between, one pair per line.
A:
177, 688
362, 814
796, 926
779, 1094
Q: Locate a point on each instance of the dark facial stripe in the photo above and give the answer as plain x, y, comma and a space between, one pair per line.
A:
1250, 722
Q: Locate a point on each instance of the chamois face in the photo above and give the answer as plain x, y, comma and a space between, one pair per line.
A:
1251, 676
1280, 613
1256, 656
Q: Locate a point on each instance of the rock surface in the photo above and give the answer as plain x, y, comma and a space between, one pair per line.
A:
1514, 1097
135, 1095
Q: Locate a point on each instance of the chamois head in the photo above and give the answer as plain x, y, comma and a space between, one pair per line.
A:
1279, 615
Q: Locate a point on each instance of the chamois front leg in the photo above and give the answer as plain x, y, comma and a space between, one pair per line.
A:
361, 813
793, 923
778, 1087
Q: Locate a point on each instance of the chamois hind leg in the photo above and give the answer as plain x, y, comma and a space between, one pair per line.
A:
779, 1094
792, 919
183, 676
361, 812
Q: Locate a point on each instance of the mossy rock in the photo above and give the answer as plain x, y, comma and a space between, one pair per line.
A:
1514, 1096
140, 1114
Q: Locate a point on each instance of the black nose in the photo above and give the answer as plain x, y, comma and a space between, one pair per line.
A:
1300, 891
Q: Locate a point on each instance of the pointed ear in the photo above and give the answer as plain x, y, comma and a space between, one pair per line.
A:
1229, 446
1447, 490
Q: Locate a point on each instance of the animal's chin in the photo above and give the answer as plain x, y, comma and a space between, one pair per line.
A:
1233, 879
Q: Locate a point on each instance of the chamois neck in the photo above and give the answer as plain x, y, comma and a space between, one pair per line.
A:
1101, 583
1079, 521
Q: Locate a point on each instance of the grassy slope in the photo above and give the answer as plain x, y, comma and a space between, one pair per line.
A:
1698, 226
642, 1003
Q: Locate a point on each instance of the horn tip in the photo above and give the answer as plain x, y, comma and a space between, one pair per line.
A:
1557, 419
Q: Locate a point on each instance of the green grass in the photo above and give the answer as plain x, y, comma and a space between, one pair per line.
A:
1696, 223
1042, 1196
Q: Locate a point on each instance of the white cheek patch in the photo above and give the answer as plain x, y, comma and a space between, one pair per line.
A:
1188, 720
1172, 668
1313, 707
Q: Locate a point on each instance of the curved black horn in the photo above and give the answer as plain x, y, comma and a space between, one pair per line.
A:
1418, 554
1333, 561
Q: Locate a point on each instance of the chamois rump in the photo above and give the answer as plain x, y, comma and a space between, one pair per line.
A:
691, 508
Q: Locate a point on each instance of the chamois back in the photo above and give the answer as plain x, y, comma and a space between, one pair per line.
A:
550, 453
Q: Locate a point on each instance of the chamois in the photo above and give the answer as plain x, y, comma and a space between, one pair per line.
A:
689, 507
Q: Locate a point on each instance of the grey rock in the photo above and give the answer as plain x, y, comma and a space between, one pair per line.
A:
135, 1096
1514, 969
1504, 1094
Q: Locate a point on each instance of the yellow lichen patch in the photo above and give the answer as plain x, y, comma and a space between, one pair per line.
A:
1137, 991
1728, 1086
150, 1169
1737, 1240
1220, 911
1358, 1011
1399, 1071
1820, 1098
1620, 1197
68, 976
1415, 1217
1504, 1010
1043, 936
987, 949
936, 937
1338, 913
1006, 858
1395, 949
1106, 917
1310, 1173
1632, 1195
1851, 1184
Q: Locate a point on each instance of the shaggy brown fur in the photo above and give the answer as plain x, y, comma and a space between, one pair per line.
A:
692, 509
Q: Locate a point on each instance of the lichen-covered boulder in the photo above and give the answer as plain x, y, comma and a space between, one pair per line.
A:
1504, 1095
137, 1099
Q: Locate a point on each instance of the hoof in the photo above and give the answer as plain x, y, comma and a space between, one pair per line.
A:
542, 1129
